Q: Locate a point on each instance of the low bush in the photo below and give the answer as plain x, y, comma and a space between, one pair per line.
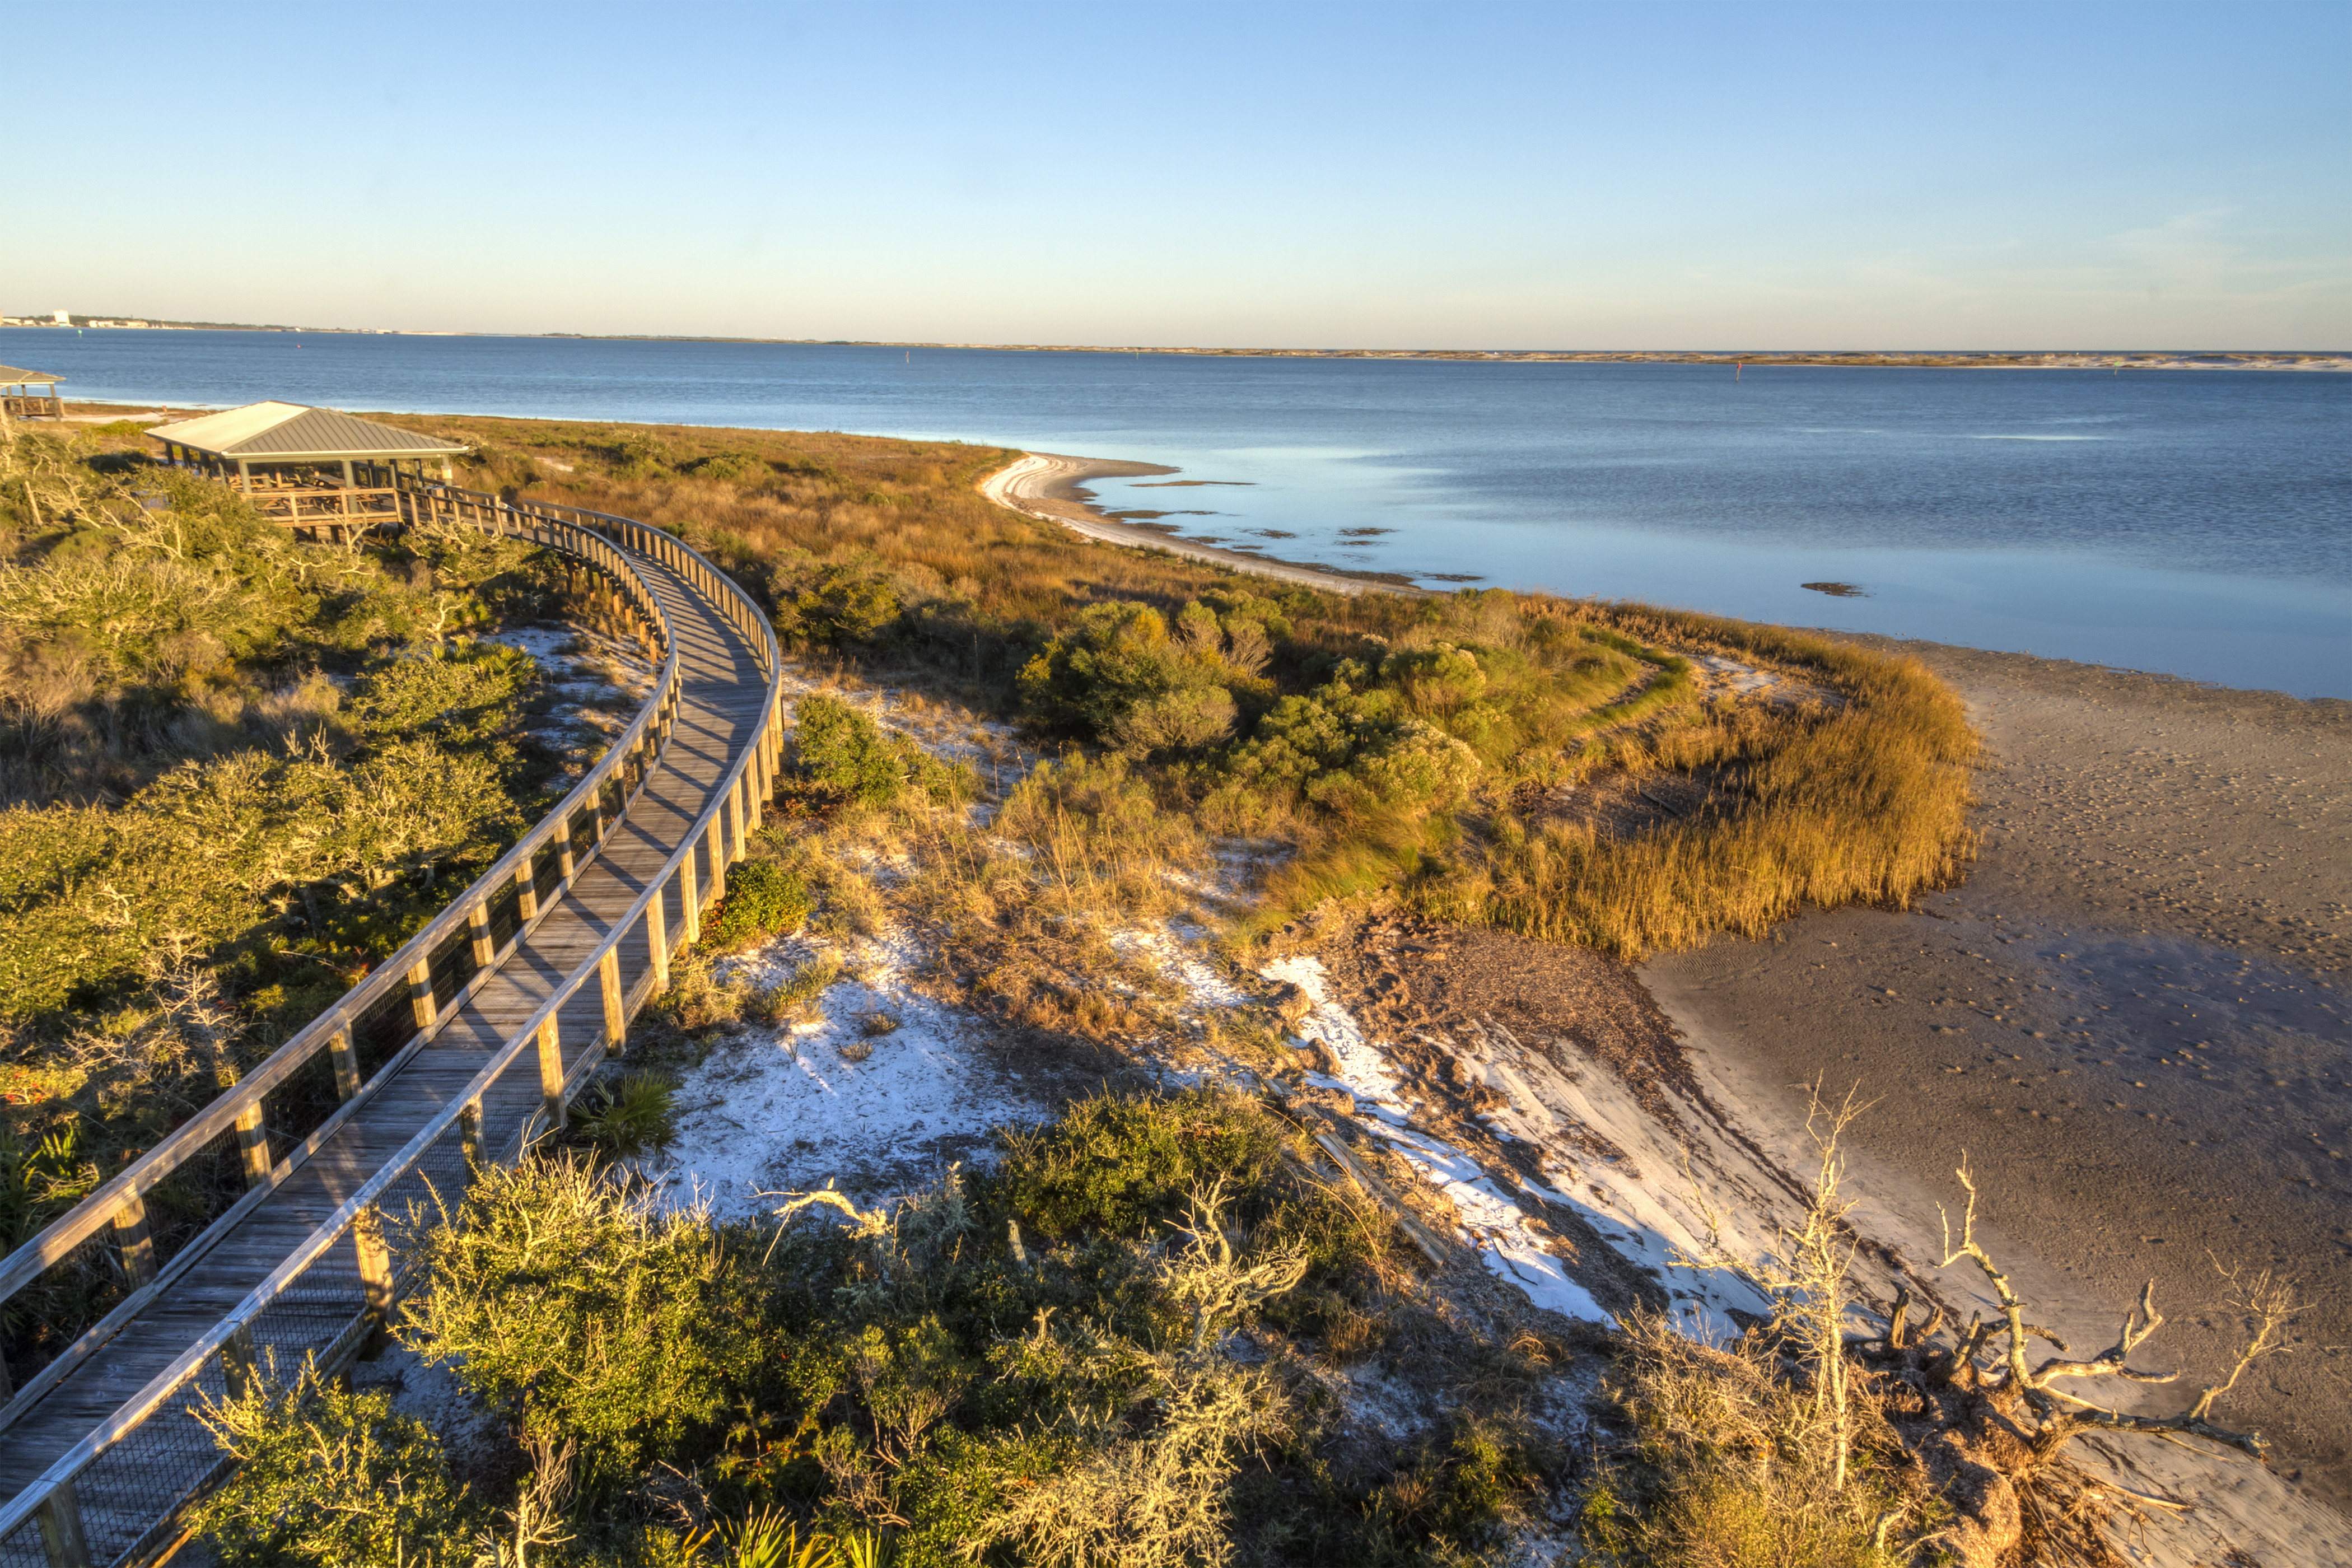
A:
762, 900
329, 1475
569, 1306
846, 757
1126, 1163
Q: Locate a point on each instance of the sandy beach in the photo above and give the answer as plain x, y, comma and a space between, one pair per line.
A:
1053, 488
2130, 1019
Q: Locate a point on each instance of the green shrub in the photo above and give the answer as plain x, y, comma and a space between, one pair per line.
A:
1123, 1163
846, 755
587, 1317
1115, 669
762, 900
734, 468
328, 1476
831, 605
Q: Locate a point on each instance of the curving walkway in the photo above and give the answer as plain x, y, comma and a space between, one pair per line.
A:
124, 1505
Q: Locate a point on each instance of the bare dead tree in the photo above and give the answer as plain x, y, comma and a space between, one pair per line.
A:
1804, 1273
2053, 1417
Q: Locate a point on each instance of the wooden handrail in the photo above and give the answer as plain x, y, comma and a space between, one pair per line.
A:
755, 766
96, 1212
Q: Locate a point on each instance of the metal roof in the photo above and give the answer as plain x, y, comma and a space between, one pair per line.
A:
11, 376
286, 432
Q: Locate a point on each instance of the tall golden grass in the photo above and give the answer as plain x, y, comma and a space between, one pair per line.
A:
1864, 801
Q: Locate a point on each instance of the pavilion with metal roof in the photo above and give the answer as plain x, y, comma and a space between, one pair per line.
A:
18, 398
307, 468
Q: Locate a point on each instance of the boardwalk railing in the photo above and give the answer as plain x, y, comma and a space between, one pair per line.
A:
352, 1269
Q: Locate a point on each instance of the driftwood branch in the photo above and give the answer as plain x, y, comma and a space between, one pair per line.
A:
2267, 1302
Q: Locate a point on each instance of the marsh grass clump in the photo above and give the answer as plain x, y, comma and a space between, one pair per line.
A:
1719, 1469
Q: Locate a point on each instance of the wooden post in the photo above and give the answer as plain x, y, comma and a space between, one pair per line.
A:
526, 892
550, 1071
469, 1131
477, 927
238, 1363
375, 1271
616, 1018
689, 901
253, 1144
347, 1064
754, 778
711, 847
130, 1235
735, 820
564, 847
420, 995
657, 943
61, 1533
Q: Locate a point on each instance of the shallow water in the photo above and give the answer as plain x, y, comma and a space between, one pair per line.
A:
2198, 523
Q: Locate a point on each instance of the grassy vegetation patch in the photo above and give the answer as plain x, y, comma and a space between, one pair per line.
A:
1081, 1358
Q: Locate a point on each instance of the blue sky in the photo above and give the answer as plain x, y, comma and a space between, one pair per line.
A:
1358, 175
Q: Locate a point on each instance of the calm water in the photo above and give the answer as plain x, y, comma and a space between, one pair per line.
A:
2198, 523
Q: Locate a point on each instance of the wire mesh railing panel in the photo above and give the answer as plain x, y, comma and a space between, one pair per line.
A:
451, 965
382, 1030
504, 912
546, 871
40, 1322
127, 1489
183, 1205
297, 1108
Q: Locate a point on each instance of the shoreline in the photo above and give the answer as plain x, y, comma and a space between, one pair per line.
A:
2305, 360
1051, 488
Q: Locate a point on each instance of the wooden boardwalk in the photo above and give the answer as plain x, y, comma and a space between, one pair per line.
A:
721, 713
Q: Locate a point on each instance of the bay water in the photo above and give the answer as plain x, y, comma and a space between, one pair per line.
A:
2197, 523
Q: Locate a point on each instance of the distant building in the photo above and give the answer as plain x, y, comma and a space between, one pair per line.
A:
62, 318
